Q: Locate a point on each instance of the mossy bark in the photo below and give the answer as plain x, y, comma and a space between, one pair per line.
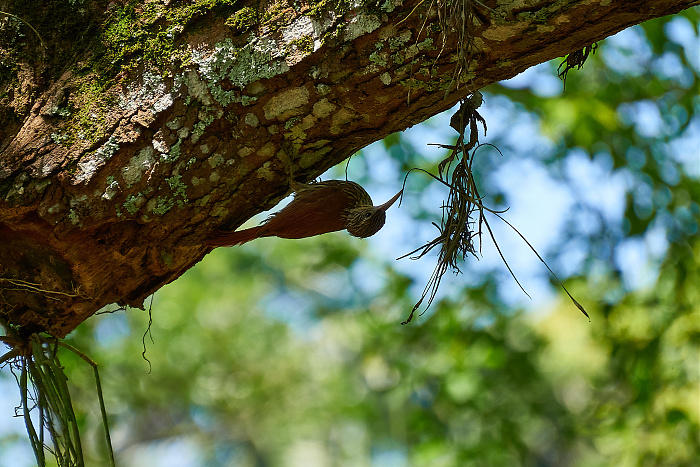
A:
143, 126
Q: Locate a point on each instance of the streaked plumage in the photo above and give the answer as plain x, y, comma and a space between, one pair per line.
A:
317, 208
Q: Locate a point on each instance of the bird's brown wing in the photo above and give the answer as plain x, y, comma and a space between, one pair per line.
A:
315, 210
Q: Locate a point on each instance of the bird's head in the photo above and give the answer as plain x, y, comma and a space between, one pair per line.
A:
365, 221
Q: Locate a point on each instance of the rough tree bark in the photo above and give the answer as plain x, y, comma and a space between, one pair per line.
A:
142, 126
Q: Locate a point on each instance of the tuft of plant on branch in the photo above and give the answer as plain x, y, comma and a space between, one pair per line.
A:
45, 401
463, 214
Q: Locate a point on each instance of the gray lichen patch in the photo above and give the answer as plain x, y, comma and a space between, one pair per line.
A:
151, 94
204, 149
134, 202
299, 38
265, 172
379, 58
323, 108
173, 153
178, 188
215, 160
258, 58
160, 205
312, 157
300, 27
251, 120
389, 5
196, 88
245, 151
88, 165
206, 116
286, 104
41, 185
323, 89
503, 33
341, 118
111, 190
138, 165
18, 187
361, 24
267, 151
175, 123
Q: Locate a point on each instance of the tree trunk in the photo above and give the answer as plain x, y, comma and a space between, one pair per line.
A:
142, 126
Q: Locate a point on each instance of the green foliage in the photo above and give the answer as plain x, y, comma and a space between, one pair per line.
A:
474, 384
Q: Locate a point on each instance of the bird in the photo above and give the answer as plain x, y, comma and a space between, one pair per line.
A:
317, 208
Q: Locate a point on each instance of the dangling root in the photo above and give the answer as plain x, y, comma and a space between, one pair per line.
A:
43, 386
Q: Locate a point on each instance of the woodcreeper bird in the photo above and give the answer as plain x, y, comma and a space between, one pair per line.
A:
317, 208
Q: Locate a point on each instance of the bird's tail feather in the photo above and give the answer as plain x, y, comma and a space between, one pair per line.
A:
228, 238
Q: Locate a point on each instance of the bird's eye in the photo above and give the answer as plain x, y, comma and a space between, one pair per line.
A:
368, 215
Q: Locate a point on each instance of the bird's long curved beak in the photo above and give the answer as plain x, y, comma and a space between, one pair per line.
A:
388, 204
